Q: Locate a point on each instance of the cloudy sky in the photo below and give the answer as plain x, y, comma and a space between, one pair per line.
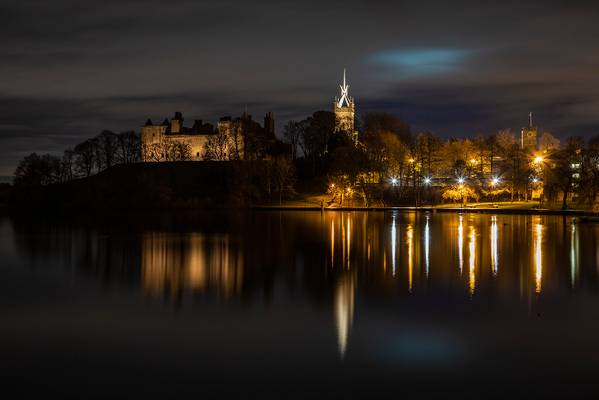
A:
70, 68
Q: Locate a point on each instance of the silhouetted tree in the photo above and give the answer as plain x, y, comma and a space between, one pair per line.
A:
67, 165
85, 157
283, 176
560, 175
129, 146
315, 134
106, 146
36, 170
385, 139
292, 132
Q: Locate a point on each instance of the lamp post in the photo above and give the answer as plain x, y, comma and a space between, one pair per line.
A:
427, 183
461, 181
494, 183
537, 163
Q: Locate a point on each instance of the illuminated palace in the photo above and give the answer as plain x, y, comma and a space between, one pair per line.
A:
344, 109
233, 138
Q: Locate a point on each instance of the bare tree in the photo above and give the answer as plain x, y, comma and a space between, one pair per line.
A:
36, 170
217, 147
283, 174
292, 132
106, 149
235, 143
179, 151
548, 142
85, 157
129, 147
67, 165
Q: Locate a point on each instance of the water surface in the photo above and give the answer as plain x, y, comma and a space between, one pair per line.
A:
300, 304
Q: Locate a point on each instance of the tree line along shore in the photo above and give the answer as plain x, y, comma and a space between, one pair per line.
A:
389, 165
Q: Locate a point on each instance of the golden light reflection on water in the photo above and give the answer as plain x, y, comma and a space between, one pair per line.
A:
332, 242
348, 240
410, 240
393, 244
574, 254
460, 243
344, 309
375, 249
427, 240
472, 260
494, 251
538, 254
172, 263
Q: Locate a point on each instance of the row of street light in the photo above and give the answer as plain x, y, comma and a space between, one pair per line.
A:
460, 181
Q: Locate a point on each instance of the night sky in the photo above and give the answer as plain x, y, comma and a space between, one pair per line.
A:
72, 68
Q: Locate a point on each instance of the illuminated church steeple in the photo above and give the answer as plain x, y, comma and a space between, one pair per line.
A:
344, 111
528, 135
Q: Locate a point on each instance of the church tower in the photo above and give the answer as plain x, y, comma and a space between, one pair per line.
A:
344, 111
528, 135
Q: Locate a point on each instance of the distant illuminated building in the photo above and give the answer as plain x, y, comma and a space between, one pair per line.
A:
232, 139
528, 135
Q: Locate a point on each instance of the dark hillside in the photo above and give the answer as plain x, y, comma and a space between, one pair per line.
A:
149, 186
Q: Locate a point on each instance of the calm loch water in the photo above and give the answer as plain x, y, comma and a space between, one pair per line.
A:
300, 304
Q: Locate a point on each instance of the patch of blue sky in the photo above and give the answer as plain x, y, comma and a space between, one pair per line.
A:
421, 61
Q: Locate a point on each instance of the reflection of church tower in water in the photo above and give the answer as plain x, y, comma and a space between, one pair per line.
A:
344, 309
344, 109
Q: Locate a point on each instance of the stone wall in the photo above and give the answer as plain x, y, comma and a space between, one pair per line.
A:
197, 144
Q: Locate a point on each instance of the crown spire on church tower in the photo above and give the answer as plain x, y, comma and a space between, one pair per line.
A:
344, 109
344, 99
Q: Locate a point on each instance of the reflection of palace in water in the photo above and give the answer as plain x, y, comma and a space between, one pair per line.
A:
172, 263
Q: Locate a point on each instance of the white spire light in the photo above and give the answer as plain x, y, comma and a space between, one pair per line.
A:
344, 93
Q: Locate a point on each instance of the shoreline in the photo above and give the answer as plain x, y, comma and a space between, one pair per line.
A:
472, 210
4, 210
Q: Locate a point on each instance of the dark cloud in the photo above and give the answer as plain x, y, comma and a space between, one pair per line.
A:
71, 68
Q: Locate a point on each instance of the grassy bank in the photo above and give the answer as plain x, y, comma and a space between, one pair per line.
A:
317, 203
